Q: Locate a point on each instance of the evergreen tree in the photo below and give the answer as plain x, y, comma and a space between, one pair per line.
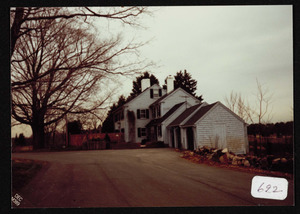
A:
108, 124
185, 81
74, 127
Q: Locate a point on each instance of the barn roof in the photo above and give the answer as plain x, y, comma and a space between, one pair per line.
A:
184, 115
199, 113
166, 115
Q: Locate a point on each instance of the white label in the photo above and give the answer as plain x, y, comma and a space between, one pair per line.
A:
269, 187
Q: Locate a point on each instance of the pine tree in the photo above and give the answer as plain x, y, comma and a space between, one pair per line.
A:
108, 124
185, 81
74, 127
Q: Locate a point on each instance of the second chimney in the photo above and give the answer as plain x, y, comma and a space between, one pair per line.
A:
145, 83
170, 83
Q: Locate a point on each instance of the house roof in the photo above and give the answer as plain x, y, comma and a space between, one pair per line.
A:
199, 114
184, 115
163, 97
168, 94
122, 106
166, 115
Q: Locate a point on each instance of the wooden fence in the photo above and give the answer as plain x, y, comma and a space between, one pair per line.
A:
271, 145
273, 139
94, 140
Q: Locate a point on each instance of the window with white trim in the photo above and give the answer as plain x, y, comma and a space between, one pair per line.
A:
155, 93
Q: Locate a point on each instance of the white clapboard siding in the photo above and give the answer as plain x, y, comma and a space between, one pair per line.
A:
220, 121
142, 101
178, 96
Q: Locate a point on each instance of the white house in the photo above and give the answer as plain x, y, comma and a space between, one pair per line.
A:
169, 106
132, 118
178, 119
153, 103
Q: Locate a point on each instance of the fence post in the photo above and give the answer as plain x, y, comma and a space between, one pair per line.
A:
268, 146
107, 141
255, 147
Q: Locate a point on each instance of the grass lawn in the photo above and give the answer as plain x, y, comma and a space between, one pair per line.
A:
24, 170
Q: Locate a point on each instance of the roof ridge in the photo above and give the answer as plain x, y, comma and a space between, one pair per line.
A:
136, 97
166, 115
185, 114
200, 113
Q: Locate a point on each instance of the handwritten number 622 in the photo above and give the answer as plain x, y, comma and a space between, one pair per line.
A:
268, 187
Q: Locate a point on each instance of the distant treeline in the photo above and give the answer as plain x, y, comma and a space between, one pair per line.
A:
278, 129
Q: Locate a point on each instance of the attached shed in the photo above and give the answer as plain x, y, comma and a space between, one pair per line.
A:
175, 132
216, 126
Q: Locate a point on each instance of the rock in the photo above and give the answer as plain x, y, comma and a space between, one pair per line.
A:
276, 161
230, 156
215, 157
247, 163
225, 150
209, 157
264, 163
234, 162
223, 159
214, 150
283, 160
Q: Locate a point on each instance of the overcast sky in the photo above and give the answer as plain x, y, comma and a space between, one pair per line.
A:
225, 48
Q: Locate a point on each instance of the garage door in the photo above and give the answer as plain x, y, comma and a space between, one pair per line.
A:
219, 135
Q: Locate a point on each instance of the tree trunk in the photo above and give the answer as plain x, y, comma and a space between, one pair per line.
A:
38, 140
15, 29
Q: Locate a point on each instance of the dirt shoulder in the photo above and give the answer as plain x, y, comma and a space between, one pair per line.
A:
22, 172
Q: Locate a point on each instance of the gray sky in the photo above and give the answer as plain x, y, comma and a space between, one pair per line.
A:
225, 48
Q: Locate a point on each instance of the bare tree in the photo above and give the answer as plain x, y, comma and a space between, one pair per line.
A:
22, 19
231, 101
238, 105
264, 98
58, 66
261, 111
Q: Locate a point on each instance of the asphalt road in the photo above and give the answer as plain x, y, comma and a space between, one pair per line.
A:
136, 178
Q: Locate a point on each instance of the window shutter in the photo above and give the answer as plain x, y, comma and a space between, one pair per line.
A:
160, 92
151, 93
147, 113
138, 113
139, 132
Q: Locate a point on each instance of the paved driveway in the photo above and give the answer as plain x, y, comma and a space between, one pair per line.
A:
136, 178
